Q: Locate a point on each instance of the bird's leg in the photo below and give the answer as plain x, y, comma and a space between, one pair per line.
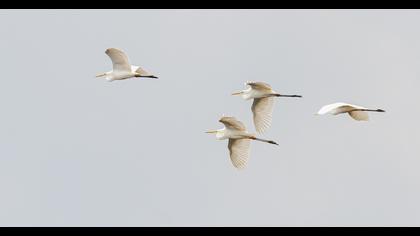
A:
290, 96
263, 140
145, 76
376, 110
150, 76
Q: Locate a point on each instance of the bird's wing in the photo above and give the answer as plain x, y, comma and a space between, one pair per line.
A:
359, 115
259, 86
232, 123
262, 109
141, 71
119, 60
330, 108
239, 152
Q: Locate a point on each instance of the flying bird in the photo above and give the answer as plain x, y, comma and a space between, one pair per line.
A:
262, 107
239, 140
356, 112
121, 67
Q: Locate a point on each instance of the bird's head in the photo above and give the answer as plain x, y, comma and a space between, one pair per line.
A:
219, 133
216, 132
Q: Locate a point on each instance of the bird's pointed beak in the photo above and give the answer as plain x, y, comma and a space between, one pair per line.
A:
211, 132
237, 93
100, 75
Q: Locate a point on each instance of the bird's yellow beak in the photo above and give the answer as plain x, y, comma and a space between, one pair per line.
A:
237, 93
211, 132
100, 75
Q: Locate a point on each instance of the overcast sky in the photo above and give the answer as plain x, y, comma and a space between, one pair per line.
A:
80, 151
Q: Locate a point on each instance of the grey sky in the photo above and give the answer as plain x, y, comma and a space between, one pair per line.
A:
80, 151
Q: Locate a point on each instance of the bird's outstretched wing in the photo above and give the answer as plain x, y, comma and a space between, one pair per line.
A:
259, 86
262, 110
359, 115
232, 123
340, 107
239, 152
335, 108
119, 60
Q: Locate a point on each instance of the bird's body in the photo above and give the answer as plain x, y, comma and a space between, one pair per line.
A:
239, 140
224, 133
356, 112
121, 67
262, 107
256, 92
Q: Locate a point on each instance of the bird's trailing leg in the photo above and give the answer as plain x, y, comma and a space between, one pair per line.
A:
376, 110
264, 140
145, 76
290, 96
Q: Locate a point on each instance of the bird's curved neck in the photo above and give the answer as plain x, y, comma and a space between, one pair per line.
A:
220, 133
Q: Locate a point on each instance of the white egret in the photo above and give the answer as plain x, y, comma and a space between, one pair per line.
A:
262, 107
121, 67
239, 140
356, 112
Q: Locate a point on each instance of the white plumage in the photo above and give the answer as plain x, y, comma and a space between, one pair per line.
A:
239, 140
262, 107
262, 113
358, 113
121, 67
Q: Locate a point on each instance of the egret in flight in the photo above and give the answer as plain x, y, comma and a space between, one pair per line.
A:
121, 67
239, 140
356, 112
262, 107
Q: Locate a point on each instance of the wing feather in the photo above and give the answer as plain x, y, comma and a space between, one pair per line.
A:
262, 109
232, 123
359, 115
119, 60
239, 152
260, 86
337, 108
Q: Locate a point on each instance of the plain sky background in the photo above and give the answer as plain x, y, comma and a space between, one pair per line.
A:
80, 151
